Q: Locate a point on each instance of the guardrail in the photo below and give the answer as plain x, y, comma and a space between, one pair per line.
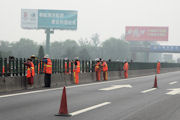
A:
16, 67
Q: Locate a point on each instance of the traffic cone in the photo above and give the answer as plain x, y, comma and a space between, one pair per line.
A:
155, 82
63, 110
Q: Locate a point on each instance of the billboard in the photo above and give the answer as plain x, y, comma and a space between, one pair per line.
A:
136, 33
53, 19
29, 19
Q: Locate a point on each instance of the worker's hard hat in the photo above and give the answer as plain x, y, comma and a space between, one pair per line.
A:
33, 56
46, 56
76, 58
97, 59
65, 58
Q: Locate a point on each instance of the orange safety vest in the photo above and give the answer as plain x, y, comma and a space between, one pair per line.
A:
125, 67
78, 66
48, 67
30, 70
3, 70
66, 67
105, 66
97, 66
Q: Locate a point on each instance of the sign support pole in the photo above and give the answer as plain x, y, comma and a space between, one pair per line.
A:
48, 32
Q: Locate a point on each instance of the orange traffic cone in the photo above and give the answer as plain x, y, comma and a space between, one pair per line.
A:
155, 82
63, 110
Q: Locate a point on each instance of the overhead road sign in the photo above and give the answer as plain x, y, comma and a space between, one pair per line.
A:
165, 48
48, 19
143, 33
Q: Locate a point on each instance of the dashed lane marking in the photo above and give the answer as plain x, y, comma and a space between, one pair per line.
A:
149, 90
172, 83
116, 87
89, 108
75, 86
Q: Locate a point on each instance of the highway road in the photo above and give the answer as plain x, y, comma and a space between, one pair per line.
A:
125, 99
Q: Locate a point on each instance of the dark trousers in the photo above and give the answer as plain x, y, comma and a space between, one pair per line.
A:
47, 80
30, 80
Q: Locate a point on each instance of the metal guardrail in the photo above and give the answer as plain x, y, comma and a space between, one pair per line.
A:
16, 67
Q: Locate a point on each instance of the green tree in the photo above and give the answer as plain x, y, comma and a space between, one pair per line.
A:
84, 54
41, 52
116, 49
95, 39
24, 48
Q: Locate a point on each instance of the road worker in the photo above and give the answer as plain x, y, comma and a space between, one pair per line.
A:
76, 70
30, 71
105, 69
98, 69
3, 70
47, 71
158, 67
66, 66
125, 68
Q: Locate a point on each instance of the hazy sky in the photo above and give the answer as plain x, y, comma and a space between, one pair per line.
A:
106, 17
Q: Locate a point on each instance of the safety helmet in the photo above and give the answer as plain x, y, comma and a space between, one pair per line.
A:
33, 56
65, 58
76, 58
46, 56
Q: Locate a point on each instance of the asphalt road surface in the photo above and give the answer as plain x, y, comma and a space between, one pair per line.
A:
125, 99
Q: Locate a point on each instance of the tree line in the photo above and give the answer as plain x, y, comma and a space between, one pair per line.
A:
113, 48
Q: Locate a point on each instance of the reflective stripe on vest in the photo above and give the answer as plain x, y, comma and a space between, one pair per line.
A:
48, 67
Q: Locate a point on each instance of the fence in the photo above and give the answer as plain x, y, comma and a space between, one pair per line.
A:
16, 67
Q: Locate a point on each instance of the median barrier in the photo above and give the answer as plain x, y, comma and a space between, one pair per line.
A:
60, 79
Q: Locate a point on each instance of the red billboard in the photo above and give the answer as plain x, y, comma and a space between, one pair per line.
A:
136, 33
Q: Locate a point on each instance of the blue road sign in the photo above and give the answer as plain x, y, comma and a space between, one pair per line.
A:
165, 48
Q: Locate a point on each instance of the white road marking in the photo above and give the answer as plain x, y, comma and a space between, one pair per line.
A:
24, 93
83, 85
116, 87
171, 83
73, 86
173, 91
145, 91
89, 108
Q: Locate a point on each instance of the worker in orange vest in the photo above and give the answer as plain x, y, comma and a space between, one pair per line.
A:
30, 71
98, 69
3, 70
125, 68
47, 71
76, 70
158, 67
105, 69
67, 72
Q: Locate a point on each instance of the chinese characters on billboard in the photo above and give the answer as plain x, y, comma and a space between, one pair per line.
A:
53, 19
135, 33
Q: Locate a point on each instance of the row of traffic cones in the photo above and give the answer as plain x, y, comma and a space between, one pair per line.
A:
63, 110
